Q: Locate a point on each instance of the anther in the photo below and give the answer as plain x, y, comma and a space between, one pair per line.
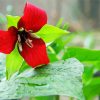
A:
33, 35
19, 38
21, 29
20, 47
29, 43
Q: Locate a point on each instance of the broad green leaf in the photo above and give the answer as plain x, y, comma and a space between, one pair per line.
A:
13, 62
58, 78
92, 89
88, 74
82, 54
97, 65
12, 20
50, 33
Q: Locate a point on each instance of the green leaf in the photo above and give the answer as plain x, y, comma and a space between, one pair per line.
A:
12, 20
52, 54
13, 62
50, 33
92, 89
82, 54
59, 23
88, 73
66, 26
58, 78
52, 57
58, 45
23, 67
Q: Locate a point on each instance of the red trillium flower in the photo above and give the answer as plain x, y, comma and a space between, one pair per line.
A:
31, 48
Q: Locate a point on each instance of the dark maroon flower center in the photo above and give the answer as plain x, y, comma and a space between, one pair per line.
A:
23, 36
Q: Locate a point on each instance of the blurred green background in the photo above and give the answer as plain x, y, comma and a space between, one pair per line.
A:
80, 14
82, 18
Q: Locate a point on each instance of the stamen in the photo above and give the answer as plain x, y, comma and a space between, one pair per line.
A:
29, 43
20, 47
23, 38
26, 31
33, 35
29, 31
19, 38
21, 29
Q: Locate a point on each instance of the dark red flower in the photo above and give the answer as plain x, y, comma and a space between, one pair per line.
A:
31, 48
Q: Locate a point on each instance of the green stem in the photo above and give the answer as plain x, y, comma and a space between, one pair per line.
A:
57, 97
53, 51
54, 97
71, 98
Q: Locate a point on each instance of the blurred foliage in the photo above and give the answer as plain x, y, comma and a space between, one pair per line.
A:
2, 19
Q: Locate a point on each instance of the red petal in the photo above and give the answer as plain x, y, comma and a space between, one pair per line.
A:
34, 18
37, 55
8, 40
